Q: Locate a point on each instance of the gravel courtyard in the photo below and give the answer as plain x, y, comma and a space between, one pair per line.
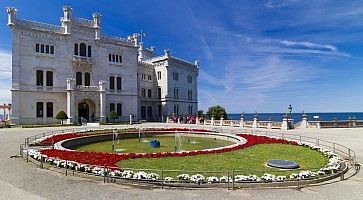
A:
21, 180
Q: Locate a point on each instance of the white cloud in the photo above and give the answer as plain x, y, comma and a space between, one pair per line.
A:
5, 76
271, 4
5, 64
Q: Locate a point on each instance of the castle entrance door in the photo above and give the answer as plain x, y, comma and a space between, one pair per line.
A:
83, 111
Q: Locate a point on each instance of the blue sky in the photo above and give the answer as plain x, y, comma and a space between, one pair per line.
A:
255, 55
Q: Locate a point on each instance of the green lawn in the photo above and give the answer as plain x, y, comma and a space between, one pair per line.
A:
252, 158
166, 144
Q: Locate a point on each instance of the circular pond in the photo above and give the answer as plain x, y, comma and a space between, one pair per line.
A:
168, 143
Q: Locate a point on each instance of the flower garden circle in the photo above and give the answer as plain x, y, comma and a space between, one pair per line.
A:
242, 162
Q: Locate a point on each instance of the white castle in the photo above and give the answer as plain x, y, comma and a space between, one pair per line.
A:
76, 69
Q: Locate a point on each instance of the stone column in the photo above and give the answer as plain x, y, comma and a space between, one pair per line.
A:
102, 86
285, 123
212, 121
70, 101
9, 113
255, 121
221, 121
304, 122
130, 119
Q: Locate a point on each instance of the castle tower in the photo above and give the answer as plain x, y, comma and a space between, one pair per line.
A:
97, 25
66, 19
11, 15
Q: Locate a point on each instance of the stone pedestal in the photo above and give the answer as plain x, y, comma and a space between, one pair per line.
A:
255, 122
285, 123
212, 121
221, 122
269, 125
241, 122
304, 122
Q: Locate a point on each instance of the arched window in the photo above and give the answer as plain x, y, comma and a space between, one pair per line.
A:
76, 49
82, 49
89, 51
78, 78
87, 79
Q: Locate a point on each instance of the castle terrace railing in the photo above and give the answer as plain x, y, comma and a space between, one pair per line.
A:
346, 153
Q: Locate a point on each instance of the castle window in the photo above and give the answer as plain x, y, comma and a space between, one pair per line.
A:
49, 109
89, 52
118, 83
47, 49
37, 48
116, 58
119, 109
143, 92
87, 79
190, 110
51, 49
120, 59
149, 112
82, 49
112, 107
39, 108
76, 49
159, 110
109, 57
176, 93
49, 80
112, 82
159, 92
149, 77
42, 48
175, 76
78, 78
159, 75
176, 109
190, 95
113, 58
149, 93
143, 112
39, 77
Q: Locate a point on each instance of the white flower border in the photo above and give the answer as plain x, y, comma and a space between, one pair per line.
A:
333, 166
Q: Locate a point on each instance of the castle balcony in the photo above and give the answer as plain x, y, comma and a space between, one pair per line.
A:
91, 88
81, 61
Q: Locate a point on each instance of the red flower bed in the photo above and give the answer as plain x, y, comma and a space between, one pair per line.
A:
110, 159
59, 137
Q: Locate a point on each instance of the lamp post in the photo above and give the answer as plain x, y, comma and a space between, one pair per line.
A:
289, 119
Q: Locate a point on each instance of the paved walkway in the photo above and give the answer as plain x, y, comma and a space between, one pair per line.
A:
21, 180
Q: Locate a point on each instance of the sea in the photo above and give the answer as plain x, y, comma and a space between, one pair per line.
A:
298, 116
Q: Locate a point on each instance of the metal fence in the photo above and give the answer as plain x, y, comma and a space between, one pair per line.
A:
231, 183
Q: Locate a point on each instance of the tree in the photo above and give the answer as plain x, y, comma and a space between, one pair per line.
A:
62, 116
200, 113
217, 112
112, 115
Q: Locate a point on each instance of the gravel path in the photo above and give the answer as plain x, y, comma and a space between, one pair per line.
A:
21, 180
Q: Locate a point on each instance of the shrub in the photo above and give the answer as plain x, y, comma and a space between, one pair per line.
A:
217, 112
62, 116
112, 116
